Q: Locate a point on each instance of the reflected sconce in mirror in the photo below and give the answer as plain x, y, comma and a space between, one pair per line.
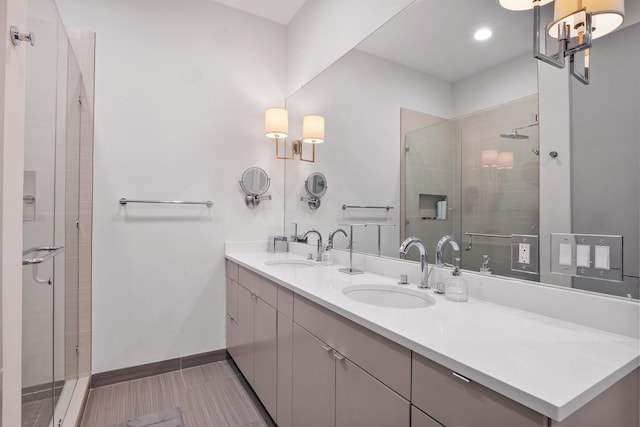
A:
505, 160
255, 182
489, 158
276, 126
575, 24
315, 186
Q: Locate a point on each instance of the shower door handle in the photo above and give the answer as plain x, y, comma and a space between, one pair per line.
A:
51, 251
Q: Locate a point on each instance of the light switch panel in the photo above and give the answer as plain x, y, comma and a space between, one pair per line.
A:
596, 256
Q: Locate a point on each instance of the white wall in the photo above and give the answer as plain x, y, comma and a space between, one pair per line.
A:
324, 30
181, 88
513, 79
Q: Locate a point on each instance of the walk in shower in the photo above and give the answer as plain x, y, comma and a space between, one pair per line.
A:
51, 220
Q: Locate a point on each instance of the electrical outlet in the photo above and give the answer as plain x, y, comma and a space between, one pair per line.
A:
524, 253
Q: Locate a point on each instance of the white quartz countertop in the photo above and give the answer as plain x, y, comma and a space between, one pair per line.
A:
546, 364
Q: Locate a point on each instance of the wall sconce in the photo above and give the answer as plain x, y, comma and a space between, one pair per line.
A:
575, 24
276, 126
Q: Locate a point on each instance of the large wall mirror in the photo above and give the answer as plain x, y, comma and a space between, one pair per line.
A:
432, 132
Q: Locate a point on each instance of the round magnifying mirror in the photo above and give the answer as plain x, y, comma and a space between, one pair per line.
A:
316, 184
255, 181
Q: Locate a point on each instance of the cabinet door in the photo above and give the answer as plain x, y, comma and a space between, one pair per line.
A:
313, 381
232, 298
285, 371
420, 419
244, 337
363, 401
265, 349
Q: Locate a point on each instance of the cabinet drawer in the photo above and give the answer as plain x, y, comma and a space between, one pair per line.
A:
454, 402
232, 269
387, 361
285, 302
263, 288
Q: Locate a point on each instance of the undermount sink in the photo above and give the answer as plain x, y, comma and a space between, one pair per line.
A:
291, 263
388, 296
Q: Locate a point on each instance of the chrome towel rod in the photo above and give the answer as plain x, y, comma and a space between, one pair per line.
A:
470, 234
124, 201
345, 207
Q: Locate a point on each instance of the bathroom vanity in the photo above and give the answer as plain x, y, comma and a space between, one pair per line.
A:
315, 356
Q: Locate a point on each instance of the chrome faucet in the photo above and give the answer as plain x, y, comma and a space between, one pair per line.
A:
424, 264
332, 235
440, 247
304, 236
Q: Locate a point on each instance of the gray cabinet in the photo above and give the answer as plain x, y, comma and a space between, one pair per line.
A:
243, 350
284, 383
363, 401
453, 400
313, 381
265, 351
420, 419
252, 331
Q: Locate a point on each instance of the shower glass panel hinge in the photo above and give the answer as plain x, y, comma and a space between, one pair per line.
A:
77, 350
406, 149
80, 100
17, 36
77, 225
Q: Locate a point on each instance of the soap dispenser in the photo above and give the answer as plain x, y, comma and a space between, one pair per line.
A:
484, 268
456, 287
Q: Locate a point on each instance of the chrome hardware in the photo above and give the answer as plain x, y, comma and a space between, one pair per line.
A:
463, 378
326, 347
553, 154
124, 201
424, 255
332, 236
440, 247
254, 183
17, 36
51, 252
337, 355
313, 202
350, 269
497, 236
29, 198
345, 207
319, 243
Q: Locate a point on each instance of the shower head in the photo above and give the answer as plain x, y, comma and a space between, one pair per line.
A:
514, 135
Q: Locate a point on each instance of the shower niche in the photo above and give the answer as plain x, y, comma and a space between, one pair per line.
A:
432, 207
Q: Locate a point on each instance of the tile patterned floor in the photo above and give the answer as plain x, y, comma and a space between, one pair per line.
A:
210, 395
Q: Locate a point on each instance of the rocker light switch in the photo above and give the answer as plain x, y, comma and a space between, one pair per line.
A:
602, 257
583, 256
566, 250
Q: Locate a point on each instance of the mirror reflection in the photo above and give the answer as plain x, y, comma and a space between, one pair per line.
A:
468, 112
315, 186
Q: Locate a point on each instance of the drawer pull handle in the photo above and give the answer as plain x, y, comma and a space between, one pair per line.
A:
326, 347
337, 355
457, 375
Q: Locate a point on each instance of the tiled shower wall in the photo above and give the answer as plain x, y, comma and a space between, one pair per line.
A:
83, 45
494, 200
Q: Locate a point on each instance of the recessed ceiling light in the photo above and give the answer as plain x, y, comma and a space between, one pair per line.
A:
482, 34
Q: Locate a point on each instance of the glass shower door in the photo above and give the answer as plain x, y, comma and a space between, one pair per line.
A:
50, 212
